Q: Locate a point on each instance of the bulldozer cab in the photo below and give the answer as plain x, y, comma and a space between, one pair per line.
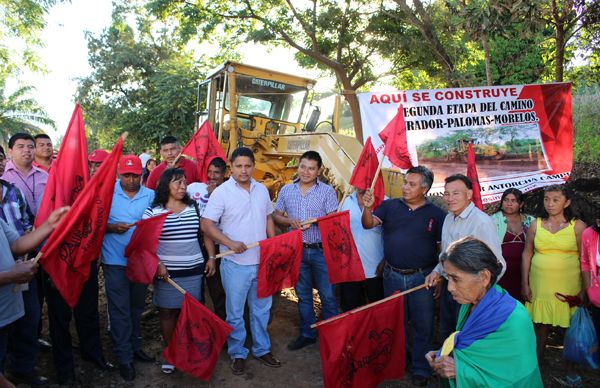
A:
264, 110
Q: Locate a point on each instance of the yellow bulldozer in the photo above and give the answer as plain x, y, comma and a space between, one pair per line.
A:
262, 110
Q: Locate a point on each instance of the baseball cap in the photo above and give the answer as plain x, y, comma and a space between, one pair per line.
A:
130, 164
98, 156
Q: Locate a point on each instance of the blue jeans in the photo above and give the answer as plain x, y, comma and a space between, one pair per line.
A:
240, 284
449, 310
126, 303
313, 268
419, 309
23, 347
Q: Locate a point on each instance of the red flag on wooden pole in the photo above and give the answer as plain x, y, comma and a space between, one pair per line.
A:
69, 173
279, 266
341, 255
202, 147
77, 241
142, 259
396, 143
365, 347
472, 175
197, 340
364, 172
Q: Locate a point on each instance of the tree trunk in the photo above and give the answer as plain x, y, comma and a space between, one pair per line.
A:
560, 52
486, 52
350, 93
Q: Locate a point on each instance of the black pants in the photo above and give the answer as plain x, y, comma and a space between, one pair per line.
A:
449, 309
216, 291
86, 323
356, 294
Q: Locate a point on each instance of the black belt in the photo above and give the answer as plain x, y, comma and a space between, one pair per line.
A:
405, 271
313, 245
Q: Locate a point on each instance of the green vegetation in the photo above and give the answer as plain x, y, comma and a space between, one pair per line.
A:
586, 122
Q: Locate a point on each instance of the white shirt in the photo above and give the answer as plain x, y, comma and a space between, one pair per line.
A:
198, 191
241, 215
474, 223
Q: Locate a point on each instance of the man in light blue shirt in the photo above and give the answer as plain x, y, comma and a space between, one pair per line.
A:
369, 243
125, 299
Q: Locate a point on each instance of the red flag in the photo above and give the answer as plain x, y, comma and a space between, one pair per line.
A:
364, 171
279, 266
69, 172
341, 255
202, 147
365, 347
197, 340
396, 145
142, 259
77, 241
472, 175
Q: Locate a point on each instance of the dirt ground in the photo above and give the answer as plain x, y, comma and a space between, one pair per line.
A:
301, 368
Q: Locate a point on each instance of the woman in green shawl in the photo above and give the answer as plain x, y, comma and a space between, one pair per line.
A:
494, 345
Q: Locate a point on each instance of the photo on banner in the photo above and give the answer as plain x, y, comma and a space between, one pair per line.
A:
522, 135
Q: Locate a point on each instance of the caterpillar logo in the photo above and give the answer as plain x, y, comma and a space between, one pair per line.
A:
268, 84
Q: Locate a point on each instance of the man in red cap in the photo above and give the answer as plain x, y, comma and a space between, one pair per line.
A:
95, 160
125, 299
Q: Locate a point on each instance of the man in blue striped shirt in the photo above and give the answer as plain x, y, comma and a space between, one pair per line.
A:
307, 198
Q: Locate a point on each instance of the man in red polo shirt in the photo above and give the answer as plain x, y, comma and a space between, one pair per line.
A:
169, 151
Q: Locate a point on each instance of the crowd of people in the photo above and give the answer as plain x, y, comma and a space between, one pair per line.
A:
480, 267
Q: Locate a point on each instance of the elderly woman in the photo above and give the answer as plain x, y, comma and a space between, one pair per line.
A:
494, 345
178, 250
512, 227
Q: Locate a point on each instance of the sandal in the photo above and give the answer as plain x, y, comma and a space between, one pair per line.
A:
167, 369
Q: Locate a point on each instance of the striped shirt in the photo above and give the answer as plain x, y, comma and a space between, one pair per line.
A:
178, 247
318, 201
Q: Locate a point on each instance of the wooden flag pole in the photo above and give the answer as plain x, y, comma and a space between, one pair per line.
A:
394, 296
177, 286
346, 193
37, 257
377, 173
255, 244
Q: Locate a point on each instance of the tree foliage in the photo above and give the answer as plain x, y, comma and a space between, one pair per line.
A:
143, 82
20, 113
335, 36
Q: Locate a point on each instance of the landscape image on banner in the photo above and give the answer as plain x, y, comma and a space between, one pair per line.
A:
499, 151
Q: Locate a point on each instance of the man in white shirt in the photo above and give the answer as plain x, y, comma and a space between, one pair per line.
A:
242, 208
463, 220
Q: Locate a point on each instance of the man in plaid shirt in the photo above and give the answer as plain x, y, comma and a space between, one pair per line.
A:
307, 198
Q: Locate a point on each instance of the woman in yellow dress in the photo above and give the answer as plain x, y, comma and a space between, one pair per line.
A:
551, 265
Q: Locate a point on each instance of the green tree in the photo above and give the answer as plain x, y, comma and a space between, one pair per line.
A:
569, 20
143, 82
336, 36
20, 113
21, 21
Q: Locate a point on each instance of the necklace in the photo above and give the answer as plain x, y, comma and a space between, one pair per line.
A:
31, 190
